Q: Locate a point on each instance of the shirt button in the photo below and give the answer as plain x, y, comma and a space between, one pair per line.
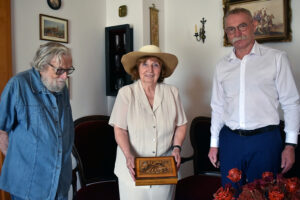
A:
153, 126
153, 140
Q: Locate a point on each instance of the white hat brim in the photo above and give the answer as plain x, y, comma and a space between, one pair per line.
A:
129, 61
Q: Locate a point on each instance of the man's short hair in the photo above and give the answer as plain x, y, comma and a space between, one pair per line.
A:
238, 11
47, 52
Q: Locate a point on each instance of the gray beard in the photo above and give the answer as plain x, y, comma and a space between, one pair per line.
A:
53, 85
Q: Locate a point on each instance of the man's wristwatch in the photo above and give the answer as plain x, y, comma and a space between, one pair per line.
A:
291, 144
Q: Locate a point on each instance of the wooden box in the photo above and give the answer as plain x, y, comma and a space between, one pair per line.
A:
155, 170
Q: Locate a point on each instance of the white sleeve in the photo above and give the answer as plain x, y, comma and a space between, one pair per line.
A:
217, 103
119, 113
288, 98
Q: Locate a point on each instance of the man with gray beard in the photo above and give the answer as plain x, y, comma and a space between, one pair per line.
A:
248, 86
36, 128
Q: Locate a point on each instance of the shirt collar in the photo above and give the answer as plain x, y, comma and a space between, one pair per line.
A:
254, 51
158, 96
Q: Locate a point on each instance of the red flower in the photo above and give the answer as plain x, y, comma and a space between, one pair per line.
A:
224, 194
234, 175
276, 194
268, 176
292, 184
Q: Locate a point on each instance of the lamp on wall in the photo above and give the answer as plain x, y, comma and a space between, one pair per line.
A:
200, 36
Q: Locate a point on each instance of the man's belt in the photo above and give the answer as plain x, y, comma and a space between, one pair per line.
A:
253, 132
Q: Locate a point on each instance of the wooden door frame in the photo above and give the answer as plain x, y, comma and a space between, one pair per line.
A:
6, 60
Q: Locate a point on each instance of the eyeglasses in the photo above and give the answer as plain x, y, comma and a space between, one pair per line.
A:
231, 30
59, 71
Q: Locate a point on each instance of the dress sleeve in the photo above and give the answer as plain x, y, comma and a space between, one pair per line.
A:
181, 117
119, 113
8, 103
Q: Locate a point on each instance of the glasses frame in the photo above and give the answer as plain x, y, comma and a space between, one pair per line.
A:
240, 27
60, 71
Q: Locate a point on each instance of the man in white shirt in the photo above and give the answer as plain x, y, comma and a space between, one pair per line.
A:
249, 84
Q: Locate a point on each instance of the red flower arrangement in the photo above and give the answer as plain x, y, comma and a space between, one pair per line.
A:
234, 175
266, 188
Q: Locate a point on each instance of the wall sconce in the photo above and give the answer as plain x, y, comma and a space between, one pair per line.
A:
201, 35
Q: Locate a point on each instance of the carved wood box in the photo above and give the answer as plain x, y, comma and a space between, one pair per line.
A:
155, 170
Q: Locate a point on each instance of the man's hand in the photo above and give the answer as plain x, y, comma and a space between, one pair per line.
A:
3, 142
287, 158
213, 156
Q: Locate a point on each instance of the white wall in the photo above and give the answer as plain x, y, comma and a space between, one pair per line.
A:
86, 39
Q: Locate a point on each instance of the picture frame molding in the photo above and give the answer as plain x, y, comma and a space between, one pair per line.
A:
42, 28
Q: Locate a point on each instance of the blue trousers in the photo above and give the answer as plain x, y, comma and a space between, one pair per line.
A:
253, 155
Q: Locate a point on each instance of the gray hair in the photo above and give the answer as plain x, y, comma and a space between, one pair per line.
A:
238, 11
47, 52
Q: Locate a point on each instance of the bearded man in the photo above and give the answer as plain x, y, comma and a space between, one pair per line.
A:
36, 128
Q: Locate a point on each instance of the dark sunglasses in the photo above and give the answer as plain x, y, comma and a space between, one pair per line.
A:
59, 71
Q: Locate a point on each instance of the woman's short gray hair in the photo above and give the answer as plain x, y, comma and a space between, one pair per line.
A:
47, 52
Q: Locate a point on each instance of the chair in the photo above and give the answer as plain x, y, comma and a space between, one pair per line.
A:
206, 179
95, 153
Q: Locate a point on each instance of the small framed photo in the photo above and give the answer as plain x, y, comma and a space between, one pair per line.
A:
53, 29
54, 4
273, 18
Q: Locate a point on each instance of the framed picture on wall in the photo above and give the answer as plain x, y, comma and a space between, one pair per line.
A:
53, 28
273, 18
154, 26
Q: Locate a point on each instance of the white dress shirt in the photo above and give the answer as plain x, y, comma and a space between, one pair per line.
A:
246, 93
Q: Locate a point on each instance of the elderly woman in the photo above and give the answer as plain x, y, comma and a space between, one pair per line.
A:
148, 120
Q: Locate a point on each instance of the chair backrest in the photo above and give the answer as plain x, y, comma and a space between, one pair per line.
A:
94, 149
200, 140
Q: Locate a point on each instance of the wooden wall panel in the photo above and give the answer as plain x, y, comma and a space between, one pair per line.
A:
5, 59
5, 43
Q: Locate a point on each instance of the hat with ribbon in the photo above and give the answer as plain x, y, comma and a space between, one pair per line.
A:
170, 61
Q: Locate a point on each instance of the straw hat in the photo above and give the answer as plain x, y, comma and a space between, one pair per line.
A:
129, 60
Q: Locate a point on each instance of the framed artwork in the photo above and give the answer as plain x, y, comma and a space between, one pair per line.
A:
54, 4
273, 18
53, 28
154, 27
